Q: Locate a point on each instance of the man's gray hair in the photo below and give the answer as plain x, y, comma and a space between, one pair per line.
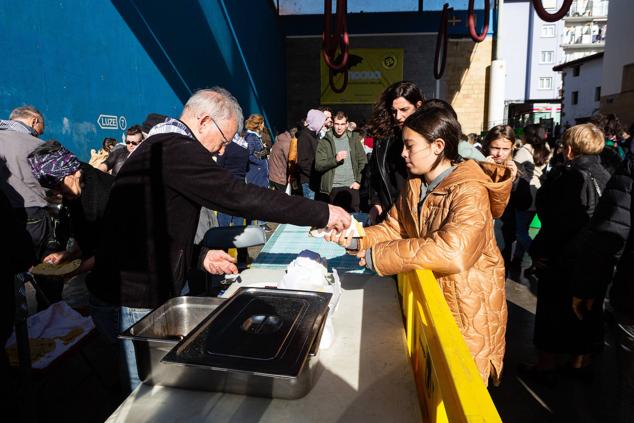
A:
25, 112
219, 103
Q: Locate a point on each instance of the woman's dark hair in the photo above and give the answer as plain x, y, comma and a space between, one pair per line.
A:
535, 135
437, 122
610, 124
46, 148
383, 124
497, 132
108, 143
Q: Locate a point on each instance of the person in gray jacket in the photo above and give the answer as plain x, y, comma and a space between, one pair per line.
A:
26, 196
341, 159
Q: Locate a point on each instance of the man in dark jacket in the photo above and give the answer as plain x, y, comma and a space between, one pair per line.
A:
340, 159
151, 218
609, 241
307, 141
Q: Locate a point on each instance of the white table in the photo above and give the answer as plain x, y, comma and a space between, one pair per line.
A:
366, 378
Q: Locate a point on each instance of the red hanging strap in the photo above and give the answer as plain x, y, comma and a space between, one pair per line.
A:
477, 38
551, 17
340, 39
331, 81
441, 38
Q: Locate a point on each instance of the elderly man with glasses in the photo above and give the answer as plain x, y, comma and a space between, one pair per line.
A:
147, 246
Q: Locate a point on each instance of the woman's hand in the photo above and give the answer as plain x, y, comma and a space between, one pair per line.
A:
513, 167
56, 258
361, 256
339, 238
375, 212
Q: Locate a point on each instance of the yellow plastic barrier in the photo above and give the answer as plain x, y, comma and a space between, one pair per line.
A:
449, 385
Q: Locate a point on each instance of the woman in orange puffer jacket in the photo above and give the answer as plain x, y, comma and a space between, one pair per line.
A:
443, 221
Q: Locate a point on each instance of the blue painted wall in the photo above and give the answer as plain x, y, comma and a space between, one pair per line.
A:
77, 60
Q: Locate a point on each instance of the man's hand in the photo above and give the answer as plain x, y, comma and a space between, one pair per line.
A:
511, 165
581, 306
217, 262
355, 185
375, 212
57, 257
342, 155
338, 218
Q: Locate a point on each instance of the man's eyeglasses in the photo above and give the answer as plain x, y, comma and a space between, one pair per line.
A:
133, 143
226, 141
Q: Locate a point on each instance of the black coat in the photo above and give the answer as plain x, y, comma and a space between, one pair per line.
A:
152, 214
388, 172
87, 211
565, 203
307, 141
607, 241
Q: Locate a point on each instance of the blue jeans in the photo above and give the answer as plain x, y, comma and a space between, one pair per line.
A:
308, 193
106, 318
228, 220
128, 317
523, 219
625, 366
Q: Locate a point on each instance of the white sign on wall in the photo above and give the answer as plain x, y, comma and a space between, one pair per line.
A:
112, 122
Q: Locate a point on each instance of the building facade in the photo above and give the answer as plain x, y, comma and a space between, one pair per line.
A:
585, 29
530, 48
582, 79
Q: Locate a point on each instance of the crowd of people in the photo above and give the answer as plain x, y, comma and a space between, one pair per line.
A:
459, 205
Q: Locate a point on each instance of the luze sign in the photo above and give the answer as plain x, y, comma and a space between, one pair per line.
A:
112, 122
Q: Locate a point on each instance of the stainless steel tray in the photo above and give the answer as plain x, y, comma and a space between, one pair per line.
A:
161, 330
198, 372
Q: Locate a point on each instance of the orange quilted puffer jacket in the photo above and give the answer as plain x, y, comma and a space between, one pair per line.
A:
453, 237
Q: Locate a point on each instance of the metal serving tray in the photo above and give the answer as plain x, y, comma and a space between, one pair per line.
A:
260, 342
161, 330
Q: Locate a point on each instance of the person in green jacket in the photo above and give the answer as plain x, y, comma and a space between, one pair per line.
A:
341, 160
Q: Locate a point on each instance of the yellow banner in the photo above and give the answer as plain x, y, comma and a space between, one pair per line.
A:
370, 71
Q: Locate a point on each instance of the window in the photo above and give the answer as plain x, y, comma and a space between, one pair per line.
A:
576, 70
546, 83
547, 57
575, 97
548, 31
597, 93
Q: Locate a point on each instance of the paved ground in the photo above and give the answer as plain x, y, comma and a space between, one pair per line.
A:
84, 386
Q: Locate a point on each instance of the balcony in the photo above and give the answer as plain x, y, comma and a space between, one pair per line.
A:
587, 10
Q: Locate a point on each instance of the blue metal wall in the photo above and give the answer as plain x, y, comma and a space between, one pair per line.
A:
77, 60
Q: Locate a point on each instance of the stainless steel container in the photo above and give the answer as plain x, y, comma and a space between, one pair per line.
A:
161, 330
260, 342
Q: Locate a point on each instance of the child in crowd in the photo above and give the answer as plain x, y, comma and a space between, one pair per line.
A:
443, 221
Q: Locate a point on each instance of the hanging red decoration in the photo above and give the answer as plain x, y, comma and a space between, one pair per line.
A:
441, 42
471, 19
551, 17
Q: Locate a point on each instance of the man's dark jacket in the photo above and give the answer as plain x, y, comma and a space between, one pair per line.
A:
307, 142
152, 213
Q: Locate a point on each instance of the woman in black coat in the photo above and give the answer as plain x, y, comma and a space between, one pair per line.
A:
565, 203
387, 168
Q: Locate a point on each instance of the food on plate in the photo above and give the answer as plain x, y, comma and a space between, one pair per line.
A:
39, 348
60, 269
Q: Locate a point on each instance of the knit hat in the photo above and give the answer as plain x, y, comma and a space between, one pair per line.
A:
315, 119
51, 163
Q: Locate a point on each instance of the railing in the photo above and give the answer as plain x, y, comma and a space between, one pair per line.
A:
449, 385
